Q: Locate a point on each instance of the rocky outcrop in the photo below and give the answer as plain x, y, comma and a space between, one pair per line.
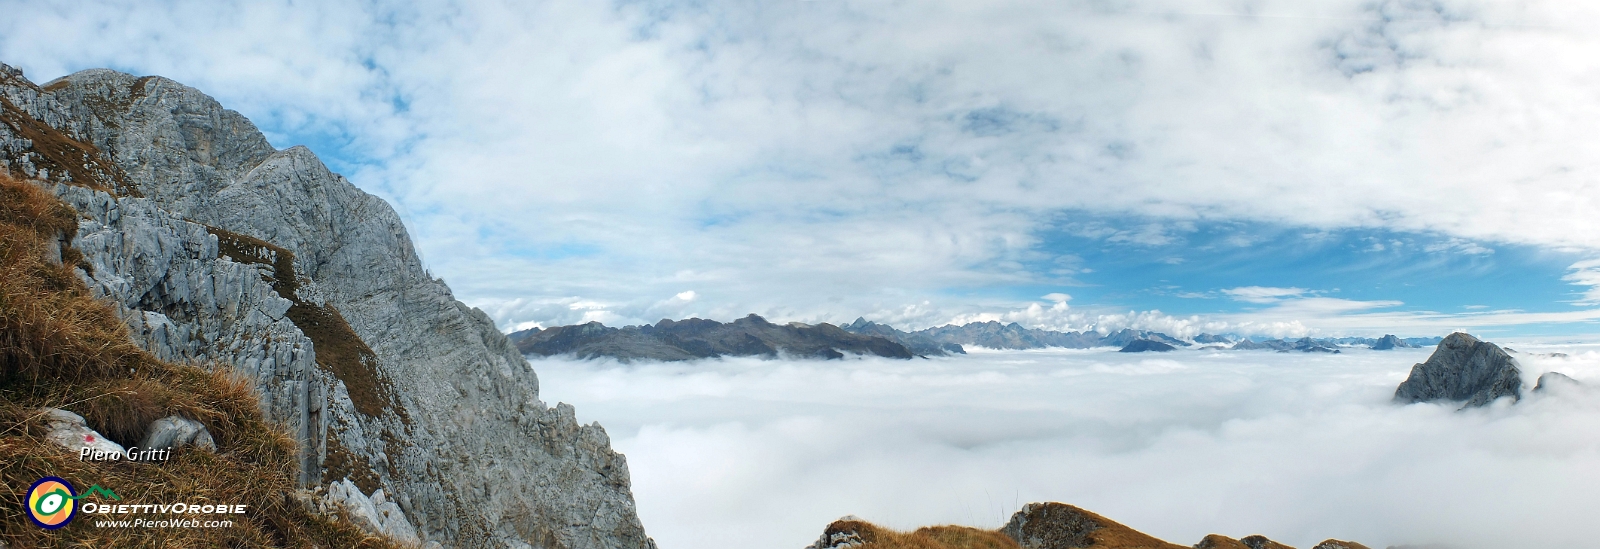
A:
178, 431
71, 432
1145, 346
217, 248
1390, 342
1062, 526
1555, 381
1218, 541
1339, 544
1463, 369
375, 514
698, 338
844, 533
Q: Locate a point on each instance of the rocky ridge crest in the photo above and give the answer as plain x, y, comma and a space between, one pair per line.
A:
1463, 369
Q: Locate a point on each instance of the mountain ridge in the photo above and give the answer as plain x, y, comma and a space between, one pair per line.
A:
696, 338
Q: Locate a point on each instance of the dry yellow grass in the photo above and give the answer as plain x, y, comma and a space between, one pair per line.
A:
1041, 524
61, 348
933, 537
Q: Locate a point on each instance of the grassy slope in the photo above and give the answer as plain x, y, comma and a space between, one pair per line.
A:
1109, 535
61, 348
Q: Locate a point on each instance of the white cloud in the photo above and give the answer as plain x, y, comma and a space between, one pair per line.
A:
1459, 246
1586, 273
1263, 294
749, 453
803, 159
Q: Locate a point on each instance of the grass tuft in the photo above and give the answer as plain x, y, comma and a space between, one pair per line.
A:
61, 348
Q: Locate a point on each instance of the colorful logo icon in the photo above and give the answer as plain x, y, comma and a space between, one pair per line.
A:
52, 503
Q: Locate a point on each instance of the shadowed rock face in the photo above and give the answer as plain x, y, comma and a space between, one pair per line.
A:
1463, 368
700, 338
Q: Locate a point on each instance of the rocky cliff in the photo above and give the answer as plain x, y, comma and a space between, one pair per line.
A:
218, 248
1463, 369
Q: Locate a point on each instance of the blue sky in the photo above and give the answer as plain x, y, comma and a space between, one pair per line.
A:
1258, 167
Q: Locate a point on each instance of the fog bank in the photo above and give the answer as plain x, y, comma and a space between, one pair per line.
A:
1297, 447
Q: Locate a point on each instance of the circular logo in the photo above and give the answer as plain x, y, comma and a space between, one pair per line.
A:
51, 503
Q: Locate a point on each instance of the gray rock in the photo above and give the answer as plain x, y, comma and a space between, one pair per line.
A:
177, 431
1051, 526
70, 431
1339, 544
217, 248
374, 514
1463, 368
841, 534
1555, 381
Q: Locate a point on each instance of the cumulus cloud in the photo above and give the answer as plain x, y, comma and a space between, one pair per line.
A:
748, 453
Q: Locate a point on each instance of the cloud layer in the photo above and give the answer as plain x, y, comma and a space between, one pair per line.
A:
569, 161
746, 453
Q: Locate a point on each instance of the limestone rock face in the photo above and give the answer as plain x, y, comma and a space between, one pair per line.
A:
220, 249
1463, 368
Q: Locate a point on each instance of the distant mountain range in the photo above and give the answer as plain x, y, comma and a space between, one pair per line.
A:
698, 338
754, 336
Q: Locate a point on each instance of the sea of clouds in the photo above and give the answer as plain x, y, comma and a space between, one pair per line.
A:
1297, 447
